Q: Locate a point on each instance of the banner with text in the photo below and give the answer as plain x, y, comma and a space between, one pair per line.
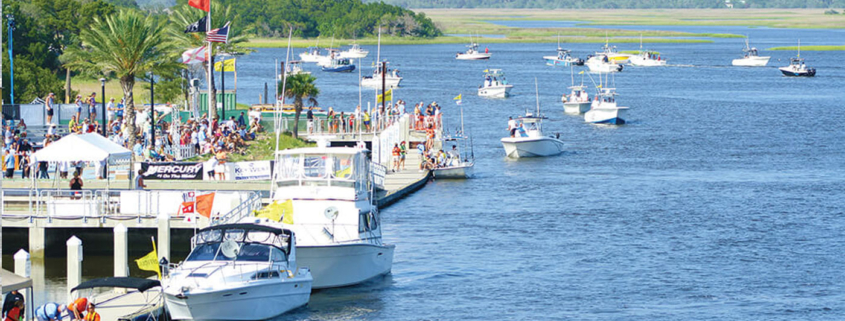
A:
260, 170
172, 170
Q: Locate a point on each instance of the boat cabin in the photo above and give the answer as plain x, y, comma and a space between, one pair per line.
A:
530, 125
300, 171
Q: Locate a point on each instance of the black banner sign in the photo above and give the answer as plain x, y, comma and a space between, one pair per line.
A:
172, 170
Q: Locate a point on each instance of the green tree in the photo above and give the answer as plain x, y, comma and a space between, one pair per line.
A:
127, 45
300, 87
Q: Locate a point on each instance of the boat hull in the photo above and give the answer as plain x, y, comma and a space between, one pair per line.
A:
355, 55
373, 82
518, 147
789, 72
254, 302
604, 67
751, 61
453, 172
346, 68
554, 61
610, 116
501, 91
339, 265
475, 56
576, 108
643, 62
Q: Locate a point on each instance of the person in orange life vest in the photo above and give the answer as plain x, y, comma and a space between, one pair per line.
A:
396, 153
91, 315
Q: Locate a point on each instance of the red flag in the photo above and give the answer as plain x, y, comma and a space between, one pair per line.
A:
187, 208
204, 203
203, 5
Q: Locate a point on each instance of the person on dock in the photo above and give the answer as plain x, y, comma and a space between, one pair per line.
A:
78, 103
10, 300
396, 153
51, 311
92, 106
403, 151
421, 152
77, 308
139, 181
49, 103
309, 115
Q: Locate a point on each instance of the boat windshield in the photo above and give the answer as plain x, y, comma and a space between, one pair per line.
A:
346, 170
249, 252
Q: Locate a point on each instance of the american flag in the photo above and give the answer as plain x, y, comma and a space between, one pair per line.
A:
219, 34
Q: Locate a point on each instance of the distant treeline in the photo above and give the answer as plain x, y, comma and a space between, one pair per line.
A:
338, 18
614, 4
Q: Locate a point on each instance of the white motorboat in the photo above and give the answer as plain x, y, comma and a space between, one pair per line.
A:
294, 67
391, 79
602, 64
578, 100
472, 52
563, 58
354, 52
797, 68
612, 55
751, 57
312, 54
495, 84
647, 58
242, 271
604, 109
338, 228
457, 166
527, 139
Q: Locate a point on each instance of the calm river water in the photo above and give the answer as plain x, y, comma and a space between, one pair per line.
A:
722, 199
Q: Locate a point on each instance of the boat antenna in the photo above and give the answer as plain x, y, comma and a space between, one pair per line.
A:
799, 48
641, 43
471, 148
537, 95
558, 42
378, 52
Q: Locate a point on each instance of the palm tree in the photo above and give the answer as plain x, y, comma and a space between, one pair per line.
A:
185, 15
300, 87
126, 45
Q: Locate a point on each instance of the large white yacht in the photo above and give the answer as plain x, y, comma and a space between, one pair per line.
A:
337, 226
240, 271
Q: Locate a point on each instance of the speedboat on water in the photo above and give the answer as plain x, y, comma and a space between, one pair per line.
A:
526, 136
391, 79
295, 68
339, 65
797, 68
604, 109
563, 58
472, 53
354, 52
312, 54
328, 195
646, 58
527, 139
578, 100
241, 271
495, 85
751, 57
612, 55
602, 64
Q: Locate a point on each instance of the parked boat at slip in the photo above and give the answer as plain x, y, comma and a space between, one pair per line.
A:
751, 57
495, 84
242, 271
797, 67
328, 193
527, 139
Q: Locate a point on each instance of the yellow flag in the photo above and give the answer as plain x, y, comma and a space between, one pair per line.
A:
150, 262
387, 96
343, 173
458, 98
581, 73
227, 65
287, 209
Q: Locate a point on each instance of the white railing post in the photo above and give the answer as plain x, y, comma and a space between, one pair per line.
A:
74, 264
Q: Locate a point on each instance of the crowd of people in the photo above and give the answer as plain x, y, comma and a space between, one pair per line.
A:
368, 121
81, 309
156, 141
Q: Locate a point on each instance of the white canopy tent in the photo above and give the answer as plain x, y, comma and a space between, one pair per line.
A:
85, 147
89, 147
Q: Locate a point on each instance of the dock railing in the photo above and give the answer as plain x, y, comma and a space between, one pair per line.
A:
243, 209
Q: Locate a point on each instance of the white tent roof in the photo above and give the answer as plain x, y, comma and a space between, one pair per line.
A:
85, 147
11, 281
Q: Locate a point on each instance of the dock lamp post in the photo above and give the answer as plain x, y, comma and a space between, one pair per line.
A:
152, 110
103, 97
11, 27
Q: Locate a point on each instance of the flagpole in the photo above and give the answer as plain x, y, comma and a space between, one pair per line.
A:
210, 67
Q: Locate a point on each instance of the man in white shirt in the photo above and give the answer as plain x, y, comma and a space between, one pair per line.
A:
110, 110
